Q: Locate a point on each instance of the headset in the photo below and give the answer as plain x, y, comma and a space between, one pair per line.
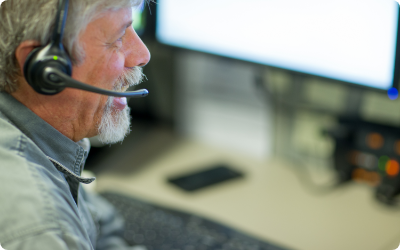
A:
48, 69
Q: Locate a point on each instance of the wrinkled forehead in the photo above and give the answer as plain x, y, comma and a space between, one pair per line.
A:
110, 25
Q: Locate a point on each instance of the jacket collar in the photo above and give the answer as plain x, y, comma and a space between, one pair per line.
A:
55, 145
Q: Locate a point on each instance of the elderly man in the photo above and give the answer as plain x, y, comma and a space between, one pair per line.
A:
43, 143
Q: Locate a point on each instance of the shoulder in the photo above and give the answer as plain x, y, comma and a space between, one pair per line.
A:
33, 195
19, 194
19, 158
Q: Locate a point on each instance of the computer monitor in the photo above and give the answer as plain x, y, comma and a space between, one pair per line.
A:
354, 41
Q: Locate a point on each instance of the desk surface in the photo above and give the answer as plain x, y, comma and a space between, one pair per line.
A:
269, 203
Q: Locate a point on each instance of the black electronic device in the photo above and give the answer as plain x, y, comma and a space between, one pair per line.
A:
48, 69
205, 178
370, 153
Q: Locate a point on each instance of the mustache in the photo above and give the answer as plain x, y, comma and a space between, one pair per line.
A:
130, 77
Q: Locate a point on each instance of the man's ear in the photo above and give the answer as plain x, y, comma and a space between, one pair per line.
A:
23, 50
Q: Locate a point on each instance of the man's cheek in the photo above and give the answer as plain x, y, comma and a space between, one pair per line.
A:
117, 63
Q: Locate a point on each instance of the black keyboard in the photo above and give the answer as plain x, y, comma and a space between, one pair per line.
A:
159, 228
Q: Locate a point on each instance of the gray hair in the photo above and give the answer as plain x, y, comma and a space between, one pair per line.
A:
22, 20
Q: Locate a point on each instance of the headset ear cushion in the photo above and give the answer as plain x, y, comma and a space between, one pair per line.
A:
28, 64
53, 56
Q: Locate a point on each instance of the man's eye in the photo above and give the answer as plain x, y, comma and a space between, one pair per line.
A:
120, 39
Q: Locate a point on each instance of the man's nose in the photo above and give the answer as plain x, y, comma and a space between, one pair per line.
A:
137, 53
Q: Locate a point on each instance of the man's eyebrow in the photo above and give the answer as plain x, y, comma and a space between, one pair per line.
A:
124, 27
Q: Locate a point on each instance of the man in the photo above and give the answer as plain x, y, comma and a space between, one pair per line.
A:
43, 143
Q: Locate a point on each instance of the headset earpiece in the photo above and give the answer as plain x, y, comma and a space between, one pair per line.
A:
40, 58
52, 55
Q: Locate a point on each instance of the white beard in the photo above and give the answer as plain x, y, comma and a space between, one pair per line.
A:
115, 124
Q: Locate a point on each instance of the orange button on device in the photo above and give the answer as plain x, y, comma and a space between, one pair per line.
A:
397, 147
392, 168
375, 140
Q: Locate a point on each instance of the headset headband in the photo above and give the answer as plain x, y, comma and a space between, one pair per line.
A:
61, 19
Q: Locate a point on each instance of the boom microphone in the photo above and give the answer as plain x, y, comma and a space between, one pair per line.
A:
56, 77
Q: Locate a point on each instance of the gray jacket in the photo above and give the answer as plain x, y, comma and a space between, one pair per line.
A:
42, 205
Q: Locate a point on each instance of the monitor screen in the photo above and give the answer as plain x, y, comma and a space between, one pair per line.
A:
348, 40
